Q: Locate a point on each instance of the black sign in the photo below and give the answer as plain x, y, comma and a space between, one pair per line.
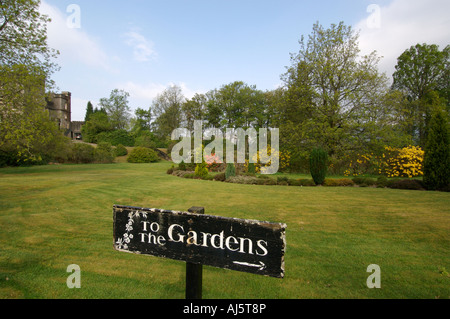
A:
237, 244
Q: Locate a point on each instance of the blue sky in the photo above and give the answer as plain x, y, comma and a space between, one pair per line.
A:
143, 46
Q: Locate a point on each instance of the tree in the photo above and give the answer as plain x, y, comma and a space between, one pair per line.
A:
27, 135
329, 89
116, 106
23, 38
167, 109
318, 165
98, 123
89, 111
420, 71
437, 153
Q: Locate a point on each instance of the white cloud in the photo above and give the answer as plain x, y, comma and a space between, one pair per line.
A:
142, 48
74, 44
402, 24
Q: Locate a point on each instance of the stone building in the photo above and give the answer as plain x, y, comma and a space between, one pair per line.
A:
60, 109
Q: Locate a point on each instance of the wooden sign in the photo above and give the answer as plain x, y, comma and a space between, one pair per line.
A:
237, 244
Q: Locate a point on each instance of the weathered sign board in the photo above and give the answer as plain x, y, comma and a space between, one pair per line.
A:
237, 244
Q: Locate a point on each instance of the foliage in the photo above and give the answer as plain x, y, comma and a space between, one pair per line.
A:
318, 165
82, 153
142, 155
405, 162
116, 106
167, 111
23, 38
116, 137
230, 171
201, 169
338, 182
327, 101
393, 162
27, 134
213, 162
220, 177
121, 150
437, 153
423, 71
104, 153
98, 123
263, 156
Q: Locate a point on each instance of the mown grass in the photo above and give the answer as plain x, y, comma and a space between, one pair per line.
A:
55, 216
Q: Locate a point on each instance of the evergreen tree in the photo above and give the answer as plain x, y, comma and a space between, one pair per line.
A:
89, 111
437, 153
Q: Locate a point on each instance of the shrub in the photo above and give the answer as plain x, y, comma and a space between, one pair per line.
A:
104, 153
437, 154
170, 170
281, 179
143, 155
251, 168
116, 137
382, 181
405, 162
182, 166
121, 150
230, 171
243, 180
364, 181
82, 154
306, 182
270, 181
220, 177
201, 170
338, 182
412, 184
318, 165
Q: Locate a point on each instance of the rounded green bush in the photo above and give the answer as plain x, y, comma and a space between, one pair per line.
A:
143, 155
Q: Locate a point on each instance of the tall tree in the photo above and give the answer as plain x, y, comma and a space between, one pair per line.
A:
117, 108
23, 37
421, 70
167, 109
89, 111
437, 153
27, 135
330, 88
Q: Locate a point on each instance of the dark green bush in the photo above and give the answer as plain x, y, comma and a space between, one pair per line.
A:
318, 165
143, 155
306, 182
104, 153
230, 171
116, 137
436, 165
220, 177
411, 184
364, 181
382, 181
121, 150
82, 154
281, 179
338, 182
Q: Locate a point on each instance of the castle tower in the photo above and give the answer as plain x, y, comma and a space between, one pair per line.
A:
60, 109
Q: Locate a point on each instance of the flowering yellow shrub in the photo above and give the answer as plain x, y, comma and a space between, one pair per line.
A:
394, 162
284, 158
405, 162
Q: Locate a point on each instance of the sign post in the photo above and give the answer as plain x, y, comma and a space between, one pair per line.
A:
198, 239
194, 272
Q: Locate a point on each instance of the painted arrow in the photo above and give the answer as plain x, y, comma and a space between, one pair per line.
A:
261, 265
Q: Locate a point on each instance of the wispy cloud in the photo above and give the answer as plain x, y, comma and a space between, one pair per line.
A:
142, 47
74, 44
402, 24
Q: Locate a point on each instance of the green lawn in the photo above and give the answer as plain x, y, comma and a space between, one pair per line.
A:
55, 216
